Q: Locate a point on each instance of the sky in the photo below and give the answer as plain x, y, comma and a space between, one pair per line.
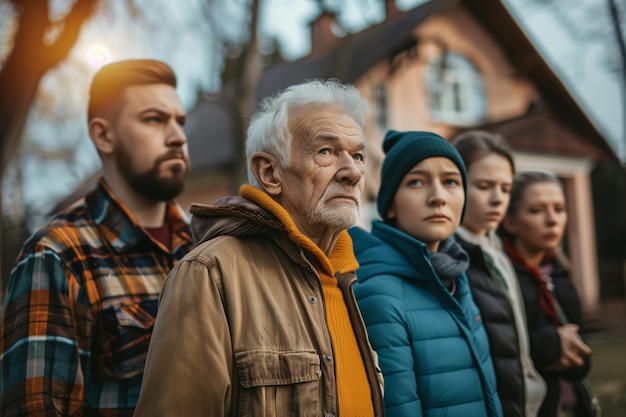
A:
583, 68
56, 124
188, 46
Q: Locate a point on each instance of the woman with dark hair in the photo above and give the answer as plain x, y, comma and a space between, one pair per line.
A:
493, 282
532, 231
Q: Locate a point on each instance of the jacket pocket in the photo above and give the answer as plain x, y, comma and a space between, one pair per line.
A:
282, 384
125, 331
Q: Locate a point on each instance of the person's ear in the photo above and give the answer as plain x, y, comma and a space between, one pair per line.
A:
100, 134
391, 213
265, 169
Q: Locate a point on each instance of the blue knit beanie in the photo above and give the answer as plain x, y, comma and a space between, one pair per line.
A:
405, 150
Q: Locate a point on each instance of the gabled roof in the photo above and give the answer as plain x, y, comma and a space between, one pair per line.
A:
539, 131
210, 129
358, 52
355, 54
496, 18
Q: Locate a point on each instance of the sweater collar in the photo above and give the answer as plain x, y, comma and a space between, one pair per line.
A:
341, 259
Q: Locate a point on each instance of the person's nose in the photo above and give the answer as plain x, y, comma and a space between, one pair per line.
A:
176, 136
350, 171
497, 197
551, 217
437, 195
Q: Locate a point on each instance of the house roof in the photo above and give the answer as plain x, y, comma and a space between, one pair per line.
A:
353, 55
210, 131
524, 55
540, 130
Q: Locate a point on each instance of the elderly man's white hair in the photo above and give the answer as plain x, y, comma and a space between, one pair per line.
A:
268, 130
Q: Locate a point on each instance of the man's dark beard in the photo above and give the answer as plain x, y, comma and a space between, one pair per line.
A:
149, 184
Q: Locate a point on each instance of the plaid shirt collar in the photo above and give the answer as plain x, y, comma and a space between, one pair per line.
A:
119, 227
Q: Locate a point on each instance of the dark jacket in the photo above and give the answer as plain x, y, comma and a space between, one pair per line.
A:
545, 344
499, 322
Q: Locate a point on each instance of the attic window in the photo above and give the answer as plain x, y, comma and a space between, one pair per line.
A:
456, 93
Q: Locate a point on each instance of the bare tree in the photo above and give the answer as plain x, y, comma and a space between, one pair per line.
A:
592, 23
242, 71
616, 15
39, 44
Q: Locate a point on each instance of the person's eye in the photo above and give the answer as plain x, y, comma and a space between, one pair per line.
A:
415, 183
325, 151
534, 210
482, 186
559, 209
506, 190
359, 157
451, 182
154, 119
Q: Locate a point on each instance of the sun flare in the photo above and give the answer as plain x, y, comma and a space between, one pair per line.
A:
98, 55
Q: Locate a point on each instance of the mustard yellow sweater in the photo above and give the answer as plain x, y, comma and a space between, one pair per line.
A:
352, 384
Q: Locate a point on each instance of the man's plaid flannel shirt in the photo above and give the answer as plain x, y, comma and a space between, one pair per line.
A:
79, 310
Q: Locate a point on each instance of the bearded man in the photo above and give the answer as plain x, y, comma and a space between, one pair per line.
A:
259, 319
81, 300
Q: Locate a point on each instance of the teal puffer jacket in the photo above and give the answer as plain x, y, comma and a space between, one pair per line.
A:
432, 346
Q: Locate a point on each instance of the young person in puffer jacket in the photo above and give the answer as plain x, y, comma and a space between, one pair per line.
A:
412, 289
490, 169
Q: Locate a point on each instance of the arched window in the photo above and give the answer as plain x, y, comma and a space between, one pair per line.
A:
456, 93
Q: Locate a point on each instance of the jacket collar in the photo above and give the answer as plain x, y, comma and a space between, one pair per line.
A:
413, 250
389, 251
255, 213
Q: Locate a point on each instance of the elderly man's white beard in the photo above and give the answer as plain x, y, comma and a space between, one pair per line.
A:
341, 217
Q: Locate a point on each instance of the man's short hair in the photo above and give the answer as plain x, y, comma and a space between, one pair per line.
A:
269, 128
111, 80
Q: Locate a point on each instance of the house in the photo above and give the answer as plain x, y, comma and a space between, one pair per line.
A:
448, 66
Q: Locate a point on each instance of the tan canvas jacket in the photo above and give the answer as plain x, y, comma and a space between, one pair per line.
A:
241, 328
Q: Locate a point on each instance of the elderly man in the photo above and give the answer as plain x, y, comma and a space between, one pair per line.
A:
82, 297
260, 319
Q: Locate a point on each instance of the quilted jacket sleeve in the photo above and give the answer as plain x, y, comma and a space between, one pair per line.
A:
382, 307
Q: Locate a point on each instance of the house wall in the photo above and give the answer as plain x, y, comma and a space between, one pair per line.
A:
508, 96
507, 93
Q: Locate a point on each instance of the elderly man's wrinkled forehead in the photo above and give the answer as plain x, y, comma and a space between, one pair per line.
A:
306, 122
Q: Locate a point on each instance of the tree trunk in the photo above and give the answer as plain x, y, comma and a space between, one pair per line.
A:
239, 80
34, 53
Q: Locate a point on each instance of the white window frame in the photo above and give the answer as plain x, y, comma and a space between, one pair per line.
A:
458, 89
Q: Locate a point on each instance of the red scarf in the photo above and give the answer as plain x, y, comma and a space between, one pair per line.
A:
546, 298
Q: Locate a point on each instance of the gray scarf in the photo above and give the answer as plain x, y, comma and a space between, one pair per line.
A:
449, 261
